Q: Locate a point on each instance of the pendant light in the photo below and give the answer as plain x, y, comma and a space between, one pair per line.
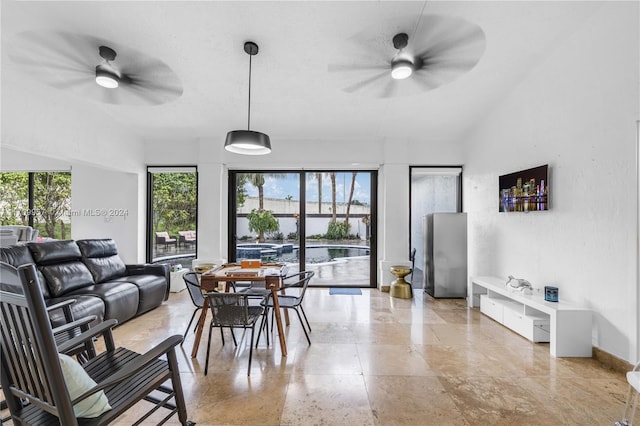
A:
248, 142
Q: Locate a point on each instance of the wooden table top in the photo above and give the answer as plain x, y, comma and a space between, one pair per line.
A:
235, 272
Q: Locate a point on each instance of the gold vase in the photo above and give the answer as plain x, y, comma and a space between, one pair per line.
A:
400, 288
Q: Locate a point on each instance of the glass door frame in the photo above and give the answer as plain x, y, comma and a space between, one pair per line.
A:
149, 240
232, 208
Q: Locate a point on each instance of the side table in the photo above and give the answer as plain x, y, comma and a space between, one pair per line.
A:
177, 282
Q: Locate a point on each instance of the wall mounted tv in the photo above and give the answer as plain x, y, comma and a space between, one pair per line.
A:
525, 191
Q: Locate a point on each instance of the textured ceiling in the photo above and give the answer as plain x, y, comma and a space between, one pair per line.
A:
296, 91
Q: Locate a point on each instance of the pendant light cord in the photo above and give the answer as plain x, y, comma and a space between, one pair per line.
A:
249, 111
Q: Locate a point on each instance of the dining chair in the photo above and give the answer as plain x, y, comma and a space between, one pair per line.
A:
298, 280
193, 286
232, 310
42, 385
630, 406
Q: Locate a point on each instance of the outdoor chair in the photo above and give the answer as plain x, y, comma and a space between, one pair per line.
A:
166, 239
232, 310
44, 386
290, 301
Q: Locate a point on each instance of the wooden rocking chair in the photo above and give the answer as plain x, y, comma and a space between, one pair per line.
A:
37, 382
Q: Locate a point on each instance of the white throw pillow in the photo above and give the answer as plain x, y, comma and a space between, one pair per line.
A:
78, 382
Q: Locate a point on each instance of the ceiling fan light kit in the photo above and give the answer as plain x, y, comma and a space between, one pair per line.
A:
106, 78
401, 69
248, 142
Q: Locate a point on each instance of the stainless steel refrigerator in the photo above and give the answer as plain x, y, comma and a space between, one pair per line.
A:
445, 254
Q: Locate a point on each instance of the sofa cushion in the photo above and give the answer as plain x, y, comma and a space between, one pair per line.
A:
151, 290
97, 247
49, 252
16, 255
105, 268
21, 255
120, 299
84, 306
65, 277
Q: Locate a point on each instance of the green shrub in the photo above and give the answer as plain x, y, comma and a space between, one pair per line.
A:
337, 231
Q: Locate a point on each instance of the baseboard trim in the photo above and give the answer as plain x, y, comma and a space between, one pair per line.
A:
611, 361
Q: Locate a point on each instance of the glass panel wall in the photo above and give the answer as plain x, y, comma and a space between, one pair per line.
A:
172, 214
337, 222
266, 217
319, 221
41, 200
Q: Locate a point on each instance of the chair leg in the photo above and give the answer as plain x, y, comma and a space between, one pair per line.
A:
176, 385
251, 349
305, 318
262, 325
222, 336
206, 363
235, 342
303, 327
189, 326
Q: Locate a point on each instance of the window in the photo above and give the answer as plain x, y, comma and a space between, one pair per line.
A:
41, 200
172, 216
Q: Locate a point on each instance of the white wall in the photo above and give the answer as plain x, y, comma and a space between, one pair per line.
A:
105, 205
576, 111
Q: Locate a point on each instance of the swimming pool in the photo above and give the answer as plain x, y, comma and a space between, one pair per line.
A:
314, 253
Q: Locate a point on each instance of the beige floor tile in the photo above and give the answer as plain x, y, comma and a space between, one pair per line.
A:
327, 400
401, 400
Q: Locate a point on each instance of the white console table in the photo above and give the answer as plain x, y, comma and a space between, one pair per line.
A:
568, 326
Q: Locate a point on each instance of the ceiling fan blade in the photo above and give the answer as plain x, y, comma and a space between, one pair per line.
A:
71, 83
110, 96
366, 82
84, 48
390, 88
427, 80
164, 87
148, 97
461, 38
451, 64
377, 45
30, 61
48, 45
358, 67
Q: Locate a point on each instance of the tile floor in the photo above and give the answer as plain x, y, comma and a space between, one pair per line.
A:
375, 360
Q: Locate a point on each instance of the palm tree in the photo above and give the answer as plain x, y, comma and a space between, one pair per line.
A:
332, 175
257, 180
353, 184
318, 176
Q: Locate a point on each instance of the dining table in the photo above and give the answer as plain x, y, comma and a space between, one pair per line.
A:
221, 277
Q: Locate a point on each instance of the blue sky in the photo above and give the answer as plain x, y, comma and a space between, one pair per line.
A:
281, 187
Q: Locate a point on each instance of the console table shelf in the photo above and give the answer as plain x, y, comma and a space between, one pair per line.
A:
566, 327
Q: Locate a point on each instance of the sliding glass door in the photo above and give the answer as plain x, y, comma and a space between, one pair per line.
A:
312, 220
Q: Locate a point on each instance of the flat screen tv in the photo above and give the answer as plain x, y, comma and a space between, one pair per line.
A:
525, 191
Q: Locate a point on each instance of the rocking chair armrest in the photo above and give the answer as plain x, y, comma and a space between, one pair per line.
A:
136, 365
73, 324
65, 307
104, 328
61, 305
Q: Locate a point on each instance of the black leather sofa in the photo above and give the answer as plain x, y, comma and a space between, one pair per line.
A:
91, 272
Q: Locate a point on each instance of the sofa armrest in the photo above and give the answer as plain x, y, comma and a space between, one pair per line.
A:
160, 270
